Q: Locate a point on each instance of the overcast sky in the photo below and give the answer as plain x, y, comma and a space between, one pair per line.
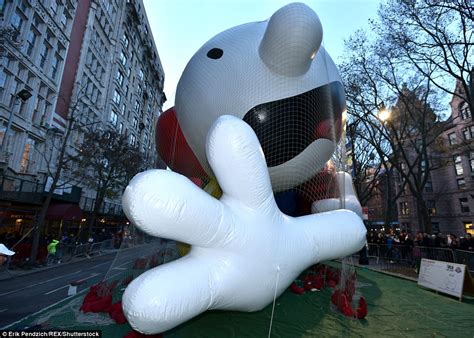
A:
181, 27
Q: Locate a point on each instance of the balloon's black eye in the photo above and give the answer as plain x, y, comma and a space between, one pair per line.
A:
215, 53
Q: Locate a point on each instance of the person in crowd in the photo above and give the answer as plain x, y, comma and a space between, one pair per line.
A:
470, 241
5, 253
419, 238
452, 242
52, 251
466, 243
402, 237
380, 238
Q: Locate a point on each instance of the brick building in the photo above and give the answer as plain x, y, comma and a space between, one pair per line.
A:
449, 192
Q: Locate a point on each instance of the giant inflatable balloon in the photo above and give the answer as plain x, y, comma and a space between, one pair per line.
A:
261, 107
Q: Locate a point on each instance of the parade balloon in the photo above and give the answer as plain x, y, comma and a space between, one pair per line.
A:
261, 108
245, 251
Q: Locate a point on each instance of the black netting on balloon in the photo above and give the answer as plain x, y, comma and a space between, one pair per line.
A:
286, 127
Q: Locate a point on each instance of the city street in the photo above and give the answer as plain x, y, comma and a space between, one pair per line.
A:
23, 295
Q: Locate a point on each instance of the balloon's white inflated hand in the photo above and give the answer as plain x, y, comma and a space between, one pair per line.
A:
350, 201
244, 250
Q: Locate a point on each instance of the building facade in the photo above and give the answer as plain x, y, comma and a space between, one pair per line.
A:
449, 191
92, 59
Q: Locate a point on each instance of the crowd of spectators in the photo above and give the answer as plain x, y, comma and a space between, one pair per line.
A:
53, 248
438, 240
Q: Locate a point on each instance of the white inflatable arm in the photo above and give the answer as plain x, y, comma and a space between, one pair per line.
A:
244, 249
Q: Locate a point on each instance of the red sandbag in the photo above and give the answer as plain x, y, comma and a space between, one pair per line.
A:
362, 309
100, 305
335, 297
116, 313
296, 289
344, 306
318, 283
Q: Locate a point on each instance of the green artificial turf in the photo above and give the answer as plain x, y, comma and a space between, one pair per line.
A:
396, 308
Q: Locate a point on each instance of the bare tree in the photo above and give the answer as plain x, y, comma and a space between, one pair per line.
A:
434, 37
406, 141
109, 162
59, 158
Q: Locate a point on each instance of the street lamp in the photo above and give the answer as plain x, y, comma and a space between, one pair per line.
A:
384, 114
23, 95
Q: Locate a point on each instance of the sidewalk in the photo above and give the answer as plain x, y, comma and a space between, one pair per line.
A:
18, 271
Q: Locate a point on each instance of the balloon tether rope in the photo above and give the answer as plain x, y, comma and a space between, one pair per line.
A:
274, 301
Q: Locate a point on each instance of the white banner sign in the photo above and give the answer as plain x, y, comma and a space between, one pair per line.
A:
442, 276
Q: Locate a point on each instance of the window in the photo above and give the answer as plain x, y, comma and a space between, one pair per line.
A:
140, 75
471, 160
464, 204
423, 165
122, 109
466, 133
125, 40
55, 66
135, 123
23, 6
30, 42
464, 111
429, 186
44, 54
37, 21
137, 106
435, 226
36, 111
123, 58
461, 183
431, 206
119, 77
3, 80
452, 138
113, 118
64, 19
404, 208
468, 227
458, 165
54, 6
117, 97
120, 130
25, 157
17, 21
133, 139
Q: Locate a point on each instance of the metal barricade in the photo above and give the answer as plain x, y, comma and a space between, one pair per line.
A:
466, 258
396, 253
95, 248
108, 244
81, 249
373, 251
438, 254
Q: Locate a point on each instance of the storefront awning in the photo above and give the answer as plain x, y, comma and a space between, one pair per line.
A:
65, 212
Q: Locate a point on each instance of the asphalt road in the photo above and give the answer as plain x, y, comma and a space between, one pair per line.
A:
24, 295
